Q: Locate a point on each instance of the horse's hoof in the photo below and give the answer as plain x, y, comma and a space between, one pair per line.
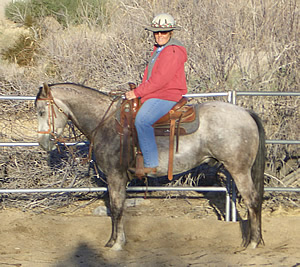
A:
245, 244
117, 247
253, 244
110, 244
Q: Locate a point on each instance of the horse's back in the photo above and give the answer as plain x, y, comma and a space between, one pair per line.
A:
223, 109
224, 116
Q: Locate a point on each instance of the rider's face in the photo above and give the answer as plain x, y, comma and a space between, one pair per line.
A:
162, 38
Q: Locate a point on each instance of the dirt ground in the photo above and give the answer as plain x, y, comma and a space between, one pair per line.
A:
160, 232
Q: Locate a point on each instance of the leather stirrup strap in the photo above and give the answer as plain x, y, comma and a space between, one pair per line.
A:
171, 149
139, 171
178, 134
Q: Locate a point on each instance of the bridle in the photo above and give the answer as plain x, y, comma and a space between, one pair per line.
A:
51, 114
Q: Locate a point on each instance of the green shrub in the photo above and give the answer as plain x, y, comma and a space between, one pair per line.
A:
16, 11
65, 11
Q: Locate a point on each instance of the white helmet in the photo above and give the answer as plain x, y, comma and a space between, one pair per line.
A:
163, 23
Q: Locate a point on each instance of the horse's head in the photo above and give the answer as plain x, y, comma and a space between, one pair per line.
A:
52, 117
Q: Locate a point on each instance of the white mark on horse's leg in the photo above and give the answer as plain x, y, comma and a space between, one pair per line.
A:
253, 244
119, 242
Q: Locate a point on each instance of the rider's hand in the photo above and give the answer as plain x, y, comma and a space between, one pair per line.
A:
130, 95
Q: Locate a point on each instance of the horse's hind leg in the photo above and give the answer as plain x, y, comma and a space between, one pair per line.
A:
117, 195
253, 202
254, 226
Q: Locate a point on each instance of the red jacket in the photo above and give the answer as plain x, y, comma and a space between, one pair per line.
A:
167, 80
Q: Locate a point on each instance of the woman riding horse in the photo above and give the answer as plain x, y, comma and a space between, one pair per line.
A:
163, 85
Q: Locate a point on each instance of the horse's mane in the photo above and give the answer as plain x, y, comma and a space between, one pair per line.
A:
78, 86
75, 88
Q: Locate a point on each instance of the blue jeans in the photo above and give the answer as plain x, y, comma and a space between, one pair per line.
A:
151, 111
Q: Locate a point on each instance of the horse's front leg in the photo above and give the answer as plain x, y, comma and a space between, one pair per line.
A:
117, 196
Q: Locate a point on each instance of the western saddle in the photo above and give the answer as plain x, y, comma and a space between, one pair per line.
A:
168, 125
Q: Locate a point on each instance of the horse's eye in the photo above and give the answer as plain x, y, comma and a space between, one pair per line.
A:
41, 113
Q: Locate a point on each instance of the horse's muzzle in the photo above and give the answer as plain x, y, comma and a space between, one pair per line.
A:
46, 142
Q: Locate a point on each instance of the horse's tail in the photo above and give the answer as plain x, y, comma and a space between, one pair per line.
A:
258, 167
257, 173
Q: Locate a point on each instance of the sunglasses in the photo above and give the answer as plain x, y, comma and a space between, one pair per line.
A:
162, 33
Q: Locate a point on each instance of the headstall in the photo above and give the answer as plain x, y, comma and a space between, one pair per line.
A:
51, 114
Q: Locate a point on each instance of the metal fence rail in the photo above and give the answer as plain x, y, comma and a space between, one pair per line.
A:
11, 97
230, 202
12, 144
136, 189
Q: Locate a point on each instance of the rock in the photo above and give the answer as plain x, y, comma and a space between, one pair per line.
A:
132, 202
101, 211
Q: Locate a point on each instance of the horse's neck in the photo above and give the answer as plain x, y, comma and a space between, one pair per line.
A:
88, 118
87, 111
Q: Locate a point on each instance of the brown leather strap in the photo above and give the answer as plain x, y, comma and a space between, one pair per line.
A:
177, 135
171, 149
139, 165
103, 120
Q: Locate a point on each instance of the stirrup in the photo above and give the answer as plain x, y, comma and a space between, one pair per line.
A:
146, 171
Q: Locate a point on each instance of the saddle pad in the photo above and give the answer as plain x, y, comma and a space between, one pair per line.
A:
185, 127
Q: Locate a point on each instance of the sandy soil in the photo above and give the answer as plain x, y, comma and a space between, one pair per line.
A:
160, 232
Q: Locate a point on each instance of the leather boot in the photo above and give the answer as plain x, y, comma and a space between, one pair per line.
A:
146, 171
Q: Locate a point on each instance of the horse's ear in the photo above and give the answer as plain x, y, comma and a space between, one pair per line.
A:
45, 90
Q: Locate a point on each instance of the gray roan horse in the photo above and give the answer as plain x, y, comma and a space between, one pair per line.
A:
227, 133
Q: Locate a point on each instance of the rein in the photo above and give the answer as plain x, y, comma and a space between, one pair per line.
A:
103, 120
